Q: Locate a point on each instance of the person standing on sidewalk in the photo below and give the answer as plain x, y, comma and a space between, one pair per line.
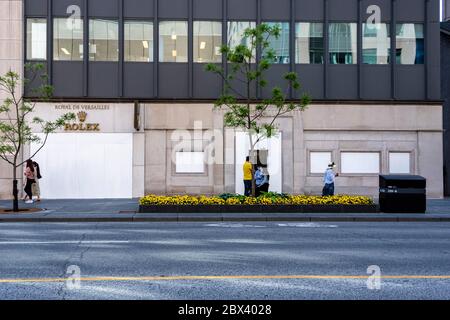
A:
36, 190
328, 179
29, 174
248, 176
262, 181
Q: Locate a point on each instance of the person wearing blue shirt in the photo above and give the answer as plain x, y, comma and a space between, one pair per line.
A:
261, 181
328, 179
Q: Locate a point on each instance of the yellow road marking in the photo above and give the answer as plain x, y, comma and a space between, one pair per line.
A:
235, 277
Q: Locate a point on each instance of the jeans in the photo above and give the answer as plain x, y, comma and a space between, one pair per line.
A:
248, 187
328, 189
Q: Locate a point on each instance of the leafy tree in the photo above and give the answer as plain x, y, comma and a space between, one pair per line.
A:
257, 119
15, 128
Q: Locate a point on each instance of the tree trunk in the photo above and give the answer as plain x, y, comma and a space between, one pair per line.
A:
15, 192
253, 161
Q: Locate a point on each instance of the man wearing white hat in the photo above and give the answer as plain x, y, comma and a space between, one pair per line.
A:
328, 179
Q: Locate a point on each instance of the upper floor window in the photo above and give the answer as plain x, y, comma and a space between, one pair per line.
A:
67, 39
207, 41
309, 42
376, 43
173, 41
36, 39
103, 40
343, 43
280, 45
410, 43
236, 31
138, 41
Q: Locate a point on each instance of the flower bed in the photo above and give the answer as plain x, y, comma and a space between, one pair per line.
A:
269, 203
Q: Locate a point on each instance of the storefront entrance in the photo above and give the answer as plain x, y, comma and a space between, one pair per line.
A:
86, 166
272, 148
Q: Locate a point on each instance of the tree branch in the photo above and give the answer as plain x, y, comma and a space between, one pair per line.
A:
5, 158
39, 149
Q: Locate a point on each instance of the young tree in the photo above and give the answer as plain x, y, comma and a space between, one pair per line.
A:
15, 128
257, 119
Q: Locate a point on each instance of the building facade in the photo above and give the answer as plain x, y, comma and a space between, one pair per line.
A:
133, 73
445, 63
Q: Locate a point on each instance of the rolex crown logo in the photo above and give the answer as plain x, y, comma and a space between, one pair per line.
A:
82, 116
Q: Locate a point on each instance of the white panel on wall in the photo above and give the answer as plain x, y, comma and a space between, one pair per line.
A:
86, 166
273, 145
400, 162
360, 162
319, 161
190, 162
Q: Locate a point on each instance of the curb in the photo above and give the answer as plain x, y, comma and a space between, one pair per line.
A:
258, 209
224, 219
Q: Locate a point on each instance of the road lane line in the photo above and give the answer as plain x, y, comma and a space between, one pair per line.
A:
66, 242
235, 277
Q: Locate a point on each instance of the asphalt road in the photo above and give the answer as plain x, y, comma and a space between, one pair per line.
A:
225, 260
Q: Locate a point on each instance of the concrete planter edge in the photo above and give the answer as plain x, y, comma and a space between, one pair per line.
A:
258, 209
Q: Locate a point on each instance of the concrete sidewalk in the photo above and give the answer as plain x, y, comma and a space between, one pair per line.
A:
125, 210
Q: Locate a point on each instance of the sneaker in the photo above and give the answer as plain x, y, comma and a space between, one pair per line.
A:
29, 201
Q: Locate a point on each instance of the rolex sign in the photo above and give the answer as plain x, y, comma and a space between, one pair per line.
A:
82, 125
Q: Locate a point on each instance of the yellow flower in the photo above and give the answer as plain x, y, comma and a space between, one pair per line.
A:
152, 199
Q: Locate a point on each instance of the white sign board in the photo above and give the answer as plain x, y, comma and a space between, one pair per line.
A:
86, 166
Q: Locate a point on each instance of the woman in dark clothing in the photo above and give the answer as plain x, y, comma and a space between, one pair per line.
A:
35, 186
29, 174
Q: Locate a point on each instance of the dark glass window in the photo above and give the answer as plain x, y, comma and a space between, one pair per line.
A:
343, 43
207, 41
235, 34
103, 40
36, 39
67, 39
281, 44
309, 42
410, 43
376, 43
138, 41
173, 41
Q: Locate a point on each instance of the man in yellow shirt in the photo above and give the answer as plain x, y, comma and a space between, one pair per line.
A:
248, 177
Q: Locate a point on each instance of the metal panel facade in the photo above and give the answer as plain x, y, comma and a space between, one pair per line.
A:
158, 80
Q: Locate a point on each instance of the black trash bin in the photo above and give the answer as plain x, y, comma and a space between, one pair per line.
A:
403, 194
